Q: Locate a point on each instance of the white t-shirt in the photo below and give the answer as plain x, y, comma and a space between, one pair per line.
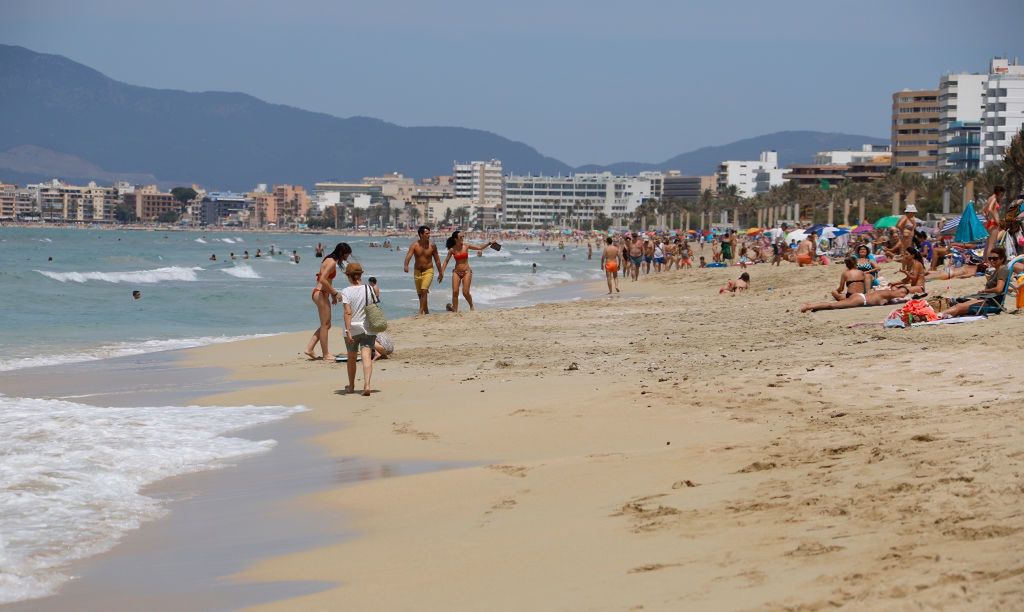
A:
355, 297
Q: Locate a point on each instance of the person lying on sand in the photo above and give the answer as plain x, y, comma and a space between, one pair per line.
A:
740, 284
880, 297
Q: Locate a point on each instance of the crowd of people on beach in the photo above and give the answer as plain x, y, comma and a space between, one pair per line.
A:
922, 256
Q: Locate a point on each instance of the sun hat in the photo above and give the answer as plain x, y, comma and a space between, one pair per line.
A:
353, 269
911, 208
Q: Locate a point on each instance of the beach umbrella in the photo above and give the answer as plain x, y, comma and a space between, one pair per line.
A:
863, 228
753, 231
952, 224
798, 235
774, 232
833, 232
817, 229
970, 228
885, 222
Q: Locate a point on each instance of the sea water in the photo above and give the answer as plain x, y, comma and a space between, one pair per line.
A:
72, 474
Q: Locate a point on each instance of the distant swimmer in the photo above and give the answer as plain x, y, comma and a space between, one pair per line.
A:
232, 256
137, 294
319, 251
49, 259
259, 253
295, 256
534, 268
245, 254
213, 257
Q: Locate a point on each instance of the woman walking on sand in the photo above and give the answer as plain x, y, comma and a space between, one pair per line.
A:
463, 276
324, 295
358, 339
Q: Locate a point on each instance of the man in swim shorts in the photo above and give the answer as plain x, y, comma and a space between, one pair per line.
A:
636, 257
806, 251
424, 251
610, 262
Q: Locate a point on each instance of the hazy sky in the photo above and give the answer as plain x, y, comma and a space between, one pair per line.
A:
584, 81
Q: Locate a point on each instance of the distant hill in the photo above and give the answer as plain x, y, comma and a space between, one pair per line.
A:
61, 119
218, 139
794, 147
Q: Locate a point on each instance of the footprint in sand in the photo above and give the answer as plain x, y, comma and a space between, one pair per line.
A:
407, 430
510, 470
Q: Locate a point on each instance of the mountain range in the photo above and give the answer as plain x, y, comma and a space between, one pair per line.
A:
63, 119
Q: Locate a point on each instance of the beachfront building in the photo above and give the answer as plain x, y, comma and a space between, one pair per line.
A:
291, 204
8, 199
222, 208
262, 207
539, 201
149, 204
60, 202
483, 183
915, 130
1003, 116
867, 152
961, 103
345, 194
744, 174
676, 186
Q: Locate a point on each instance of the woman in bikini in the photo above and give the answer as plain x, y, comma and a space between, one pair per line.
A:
991, 214
324, 295
854, 282
463, 277
866, 264
913, 272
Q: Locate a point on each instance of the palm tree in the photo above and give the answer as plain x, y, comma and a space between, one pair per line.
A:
1013, 163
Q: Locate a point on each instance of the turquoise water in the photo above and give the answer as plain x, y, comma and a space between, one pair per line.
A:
79, 306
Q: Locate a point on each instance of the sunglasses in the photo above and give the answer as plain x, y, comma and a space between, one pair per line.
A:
992, 258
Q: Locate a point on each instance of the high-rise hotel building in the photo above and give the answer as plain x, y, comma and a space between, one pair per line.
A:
483, 184
1003, 116
536, 201
915, 130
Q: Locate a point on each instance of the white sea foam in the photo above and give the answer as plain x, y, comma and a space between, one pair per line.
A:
72, 474
200, 241
241, 271
157, 275
511, 285
121, 349
228, 240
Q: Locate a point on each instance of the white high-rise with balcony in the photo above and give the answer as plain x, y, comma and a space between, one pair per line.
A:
1003, 116
744, 174
482, 183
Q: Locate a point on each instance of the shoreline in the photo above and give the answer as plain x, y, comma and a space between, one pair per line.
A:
634, 455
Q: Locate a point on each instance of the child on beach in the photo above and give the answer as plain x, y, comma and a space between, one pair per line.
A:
740, 284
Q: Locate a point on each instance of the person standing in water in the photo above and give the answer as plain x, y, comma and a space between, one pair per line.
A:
463, 274
325, 295
427, 257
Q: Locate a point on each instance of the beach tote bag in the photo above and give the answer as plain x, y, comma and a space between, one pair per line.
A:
376, 322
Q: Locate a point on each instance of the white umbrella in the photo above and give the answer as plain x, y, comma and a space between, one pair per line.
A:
831, 232
775, 232
798, 235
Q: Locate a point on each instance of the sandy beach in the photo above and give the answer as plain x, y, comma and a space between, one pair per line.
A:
669, 448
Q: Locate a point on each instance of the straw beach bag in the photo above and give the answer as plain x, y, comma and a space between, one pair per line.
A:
376, 322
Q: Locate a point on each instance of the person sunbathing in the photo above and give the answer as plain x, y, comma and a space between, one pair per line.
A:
852, 281
913, 271
740, 284
965, 271
880, 297
990, 299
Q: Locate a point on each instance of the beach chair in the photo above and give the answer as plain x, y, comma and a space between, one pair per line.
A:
997, 303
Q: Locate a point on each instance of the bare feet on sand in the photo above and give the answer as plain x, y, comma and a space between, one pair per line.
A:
329, 357
366, 393
311, 356
349, 389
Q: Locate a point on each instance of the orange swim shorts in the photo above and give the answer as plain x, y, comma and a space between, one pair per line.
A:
612, 266
804, 259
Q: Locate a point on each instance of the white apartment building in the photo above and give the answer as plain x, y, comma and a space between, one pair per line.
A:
59, 201
744, 174
482, 182
866, 153
1004, 109
961, 103
536, 201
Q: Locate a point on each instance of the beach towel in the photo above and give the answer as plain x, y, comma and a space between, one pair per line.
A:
952, 321
912, 312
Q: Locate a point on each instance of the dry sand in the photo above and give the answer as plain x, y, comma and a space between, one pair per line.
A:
710, 452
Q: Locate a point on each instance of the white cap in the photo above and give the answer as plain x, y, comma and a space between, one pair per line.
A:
911, 208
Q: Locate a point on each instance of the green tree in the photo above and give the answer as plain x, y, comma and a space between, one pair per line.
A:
124, 213
184, 195
1014, 165
601, 222
169, 216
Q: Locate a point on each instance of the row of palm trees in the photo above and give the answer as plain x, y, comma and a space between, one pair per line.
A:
927, 193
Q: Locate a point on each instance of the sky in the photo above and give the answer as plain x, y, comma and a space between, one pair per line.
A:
583, 81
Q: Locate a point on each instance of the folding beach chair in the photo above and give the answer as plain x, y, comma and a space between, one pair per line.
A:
997, 303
